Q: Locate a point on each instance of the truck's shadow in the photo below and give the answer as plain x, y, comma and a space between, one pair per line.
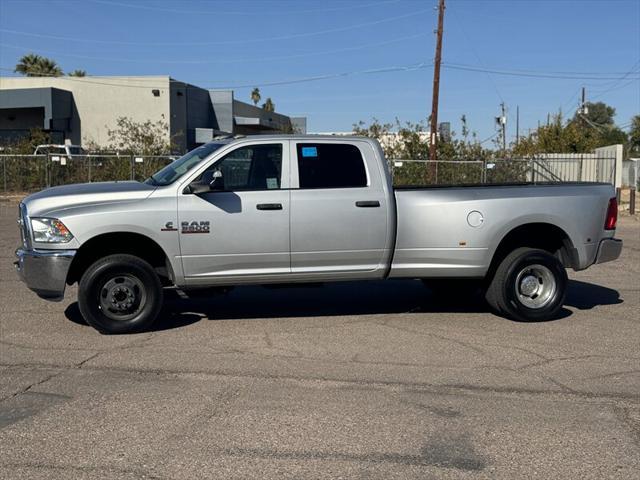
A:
341, 299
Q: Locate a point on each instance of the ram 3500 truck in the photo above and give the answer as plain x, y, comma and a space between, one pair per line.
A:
291, 209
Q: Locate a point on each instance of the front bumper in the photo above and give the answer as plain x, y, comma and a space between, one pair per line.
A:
608, 250
44, 271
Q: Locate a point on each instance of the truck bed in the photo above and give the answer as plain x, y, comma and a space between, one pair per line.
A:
453, 231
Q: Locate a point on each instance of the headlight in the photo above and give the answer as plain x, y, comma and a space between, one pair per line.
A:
50, 230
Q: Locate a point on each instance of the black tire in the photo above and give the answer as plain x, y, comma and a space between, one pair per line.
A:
529, 285
120, 294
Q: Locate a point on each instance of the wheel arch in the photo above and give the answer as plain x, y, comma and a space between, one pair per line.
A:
130, 243
543, 235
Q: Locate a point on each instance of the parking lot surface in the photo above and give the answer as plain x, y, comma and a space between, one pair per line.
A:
364, 380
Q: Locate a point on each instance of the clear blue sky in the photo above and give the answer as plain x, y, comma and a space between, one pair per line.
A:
257, 42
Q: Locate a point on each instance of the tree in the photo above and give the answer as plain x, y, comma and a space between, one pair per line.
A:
599, 113
465, 128
255, 96
77, 73
32, 65
268, 105
140, 138
404, 143
581, 134
27, 144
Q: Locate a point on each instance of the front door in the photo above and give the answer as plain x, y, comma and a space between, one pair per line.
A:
240, 229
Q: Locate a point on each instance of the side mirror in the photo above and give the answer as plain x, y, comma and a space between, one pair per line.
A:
205, 186
216, 183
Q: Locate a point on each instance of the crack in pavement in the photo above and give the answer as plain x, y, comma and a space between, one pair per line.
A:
443, 388
31, 385
49, 377
431, 334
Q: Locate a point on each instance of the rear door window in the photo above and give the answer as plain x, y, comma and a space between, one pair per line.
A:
330, 165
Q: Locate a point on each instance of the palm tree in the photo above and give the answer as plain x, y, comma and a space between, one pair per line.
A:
33, 65
269, 106
77, 73
255, 96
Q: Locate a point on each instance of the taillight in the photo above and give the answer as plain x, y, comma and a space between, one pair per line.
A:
612, 214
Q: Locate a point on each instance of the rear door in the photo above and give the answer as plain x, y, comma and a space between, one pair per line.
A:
339, 211
241, 230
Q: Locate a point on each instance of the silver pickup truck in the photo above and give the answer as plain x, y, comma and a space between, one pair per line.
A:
287, 209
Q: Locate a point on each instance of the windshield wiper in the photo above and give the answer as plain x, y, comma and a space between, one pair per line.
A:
153, 181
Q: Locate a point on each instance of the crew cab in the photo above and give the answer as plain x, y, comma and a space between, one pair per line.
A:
290, 209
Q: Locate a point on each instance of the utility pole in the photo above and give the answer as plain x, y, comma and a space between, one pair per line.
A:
583, 104
436, 87
503, 124
517, 124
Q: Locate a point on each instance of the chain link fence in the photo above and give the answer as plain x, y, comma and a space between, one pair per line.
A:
30, 173
555, 169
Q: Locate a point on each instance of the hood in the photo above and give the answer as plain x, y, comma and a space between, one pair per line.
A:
83, 194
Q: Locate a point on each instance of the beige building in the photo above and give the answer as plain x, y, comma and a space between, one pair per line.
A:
81, 110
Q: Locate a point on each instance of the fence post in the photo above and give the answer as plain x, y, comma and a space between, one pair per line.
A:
580, 167
632, 200
533, 178
88, 158
133, 167
4, 173
47, 170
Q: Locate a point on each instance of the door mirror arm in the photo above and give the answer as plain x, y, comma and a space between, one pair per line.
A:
216, 183
199, 187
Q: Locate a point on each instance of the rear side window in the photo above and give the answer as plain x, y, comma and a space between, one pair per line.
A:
330, 165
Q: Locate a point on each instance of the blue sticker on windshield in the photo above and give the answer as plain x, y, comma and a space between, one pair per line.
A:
309, 152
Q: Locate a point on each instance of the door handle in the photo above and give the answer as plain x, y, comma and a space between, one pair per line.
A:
368, 204
269, 206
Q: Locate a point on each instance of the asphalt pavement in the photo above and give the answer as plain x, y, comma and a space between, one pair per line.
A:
367, 380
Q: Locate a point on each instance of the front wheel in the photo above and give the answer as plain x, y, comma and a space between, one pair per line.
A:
529, 285
120, 294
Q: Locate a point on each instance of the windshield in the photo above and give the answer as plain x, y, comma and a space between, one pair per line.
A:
179, 167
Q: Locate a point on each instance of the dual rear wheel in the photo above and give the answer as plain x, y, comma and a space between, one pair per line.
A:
528, 285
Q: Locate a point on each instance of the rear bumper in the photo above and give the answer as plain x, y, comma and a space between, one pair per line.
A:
608, 250
44, 271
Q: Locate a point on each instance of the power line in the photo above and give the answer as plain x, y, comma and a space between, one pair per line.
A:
595, 86
490, 138
520, 73
415, 66
591, 123
570, 101
220, 61
142, 6
228, 42
616, 85
402, 68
